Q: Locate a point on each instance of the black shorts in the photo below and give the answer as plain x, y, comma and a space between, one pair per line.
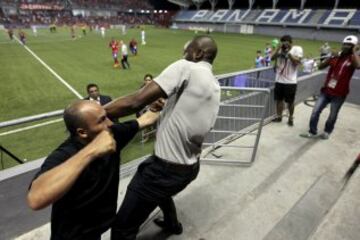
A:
285, 92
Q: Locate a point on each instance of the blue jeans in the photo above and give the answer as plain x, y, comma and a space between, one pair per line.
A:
335, 105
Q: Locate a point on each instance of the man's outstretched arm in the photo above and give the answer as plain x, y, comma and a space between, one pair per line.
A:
132, 103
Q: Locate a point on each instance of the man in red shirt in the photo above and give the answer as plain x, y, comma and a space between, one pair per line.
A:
336, 87
114, 45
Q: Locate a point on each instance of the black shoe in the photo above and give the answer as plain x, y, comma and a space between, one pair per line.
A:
291, 123
172, 228
277, 119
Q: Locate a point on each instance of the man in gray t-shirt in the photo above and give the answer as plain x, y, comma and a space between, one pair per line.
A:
193, 98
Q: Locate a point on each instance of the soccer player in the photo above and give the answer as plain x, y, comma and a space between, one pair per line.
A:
72, 32
83, 28
11, 33
34, 29
22, 37
102, 30
124, 53
133, 46
114, 45
143, 42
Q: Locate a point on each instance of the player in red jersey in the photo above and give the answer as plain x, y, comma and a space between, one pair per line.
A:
114, 45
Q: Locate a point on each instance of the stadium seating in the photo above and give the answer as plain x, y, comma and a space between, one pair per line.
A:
104, 12
347, 18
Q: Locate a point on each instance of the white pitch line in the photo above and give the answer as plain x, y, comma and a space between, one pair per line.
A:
52, 71
30, 127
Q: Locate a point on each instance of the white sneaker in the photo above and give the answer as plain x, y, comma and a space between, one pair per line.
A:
308, 135
324, 136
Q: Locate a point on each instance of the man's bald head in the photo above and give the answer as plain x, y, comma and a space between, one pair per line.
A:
201, 48
75, 115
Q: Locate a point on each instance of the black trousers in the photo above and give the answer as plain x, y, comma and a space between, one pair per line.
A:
154, 184
124, 62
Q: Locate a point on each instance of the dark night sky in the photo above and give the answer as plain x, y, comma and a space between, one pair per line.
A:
222, 4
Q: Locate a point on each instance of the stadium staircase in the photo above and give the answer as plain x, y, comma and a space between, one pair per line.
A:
293, 191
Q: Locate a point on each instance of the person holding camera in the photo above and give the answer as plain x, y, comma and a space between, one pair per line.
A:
287, 61
336, 87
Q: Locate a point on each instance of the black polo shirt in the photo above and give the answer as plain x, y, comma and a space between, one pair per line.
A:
89, 207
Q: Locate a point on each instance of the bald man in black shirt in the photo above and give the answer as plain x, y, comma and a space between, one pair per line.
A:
81, 177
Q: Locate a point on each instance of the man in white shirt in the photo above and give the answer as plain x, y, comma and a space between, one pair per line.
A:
287, 61
124, 56
102, 30
193, 99
34, 29
143, 42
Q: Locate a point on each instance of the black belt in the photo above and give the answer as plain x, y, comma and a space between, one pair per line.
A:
176, 166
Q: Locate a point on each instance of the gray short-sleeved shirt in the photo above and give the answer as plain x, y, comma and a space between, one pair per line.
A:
190, 112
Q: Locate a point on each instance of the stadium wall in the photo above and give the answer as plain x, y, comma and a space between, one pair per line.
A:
276, 31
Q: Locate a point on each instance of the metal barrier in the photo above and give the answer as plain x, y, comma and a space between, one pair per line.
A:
3, 151
240, 116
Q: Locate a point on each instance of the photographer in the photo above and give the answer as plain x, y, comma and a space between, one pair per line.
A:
336, 87
287, 60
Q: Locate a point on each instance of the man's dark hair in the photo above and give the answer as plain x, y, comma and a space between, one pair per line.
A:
90, 85
148, 75
258, 51
286, 38
73, 118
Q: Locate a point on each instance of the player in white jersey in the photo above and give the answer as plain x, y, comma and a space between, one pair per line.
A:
143, 42
102, 30
34, 29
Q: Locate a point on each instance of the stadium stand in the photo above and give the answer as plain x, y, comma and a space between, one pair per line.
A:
101, 12
315, 24
348, 18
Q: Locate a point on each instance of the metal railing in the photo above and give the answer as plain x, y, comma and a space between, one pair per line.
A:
12, 156
241, 116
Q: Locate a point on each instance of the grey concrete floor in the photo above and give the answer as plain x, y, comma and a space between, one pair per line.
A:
290, 192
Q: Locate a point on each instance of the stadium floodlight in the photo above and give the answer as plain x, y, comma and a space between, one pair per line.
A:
147, 11
302, 5
142, 11
165, 11
275, 2
251, 3
155, 11
182, 3
213, 4
130, 10
160, 11
198, 3
231, 3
